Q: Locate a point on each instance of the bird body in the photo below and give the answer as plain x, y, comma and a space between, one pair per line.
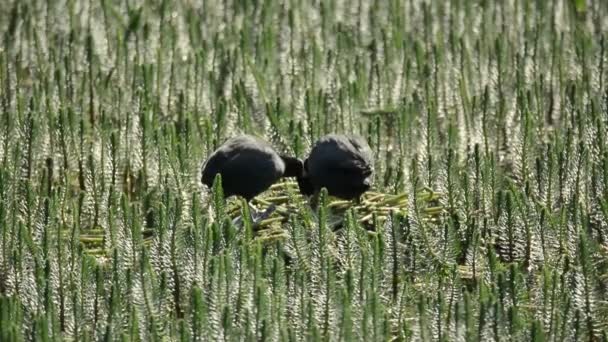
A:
343, 164
248, 166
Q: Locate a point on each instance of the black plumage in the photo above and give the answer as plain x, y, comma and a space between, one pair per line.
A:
248, 166
343, 164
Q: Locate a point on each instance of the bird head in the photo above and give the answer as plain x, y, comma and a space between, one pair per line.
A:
304, 183
293, 167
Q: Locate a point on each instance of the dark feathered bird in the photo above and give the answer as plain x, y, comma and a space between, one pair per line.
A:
248, 166
343, 164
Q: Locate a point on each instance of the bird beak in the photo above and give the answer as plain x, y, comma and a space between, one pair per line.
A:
367, 181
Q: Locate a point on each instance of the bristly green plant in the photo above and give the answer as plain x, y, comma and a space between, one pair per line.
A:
489, 214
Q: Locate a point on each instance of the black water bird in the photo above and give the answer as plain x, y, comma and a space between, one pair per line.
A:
343, 164
248, 166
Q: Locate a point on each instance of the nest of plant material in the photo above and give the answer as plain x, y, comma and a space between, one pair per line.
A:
371, 211
373, 208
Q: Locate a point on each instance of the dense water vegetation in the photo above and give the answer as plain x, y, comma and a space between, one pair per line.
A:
489, 215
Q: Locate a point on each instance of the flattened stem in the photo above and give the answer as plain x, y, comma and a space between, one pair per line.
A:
265, 214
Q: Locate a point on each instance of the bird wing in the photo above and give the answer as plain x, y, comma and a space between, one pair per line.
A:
353, 166
364, 151
250, 172
351, 155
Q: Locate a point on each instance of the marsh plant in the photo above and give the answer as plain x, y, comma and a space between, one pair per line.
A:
488, 218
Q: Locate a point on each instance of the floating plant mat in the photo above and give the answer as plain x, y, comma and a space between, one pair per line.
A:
288, 201
285, 196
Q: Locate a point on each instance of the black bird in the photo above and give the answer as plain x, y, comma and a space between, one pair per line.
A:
248, 166
343, 164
